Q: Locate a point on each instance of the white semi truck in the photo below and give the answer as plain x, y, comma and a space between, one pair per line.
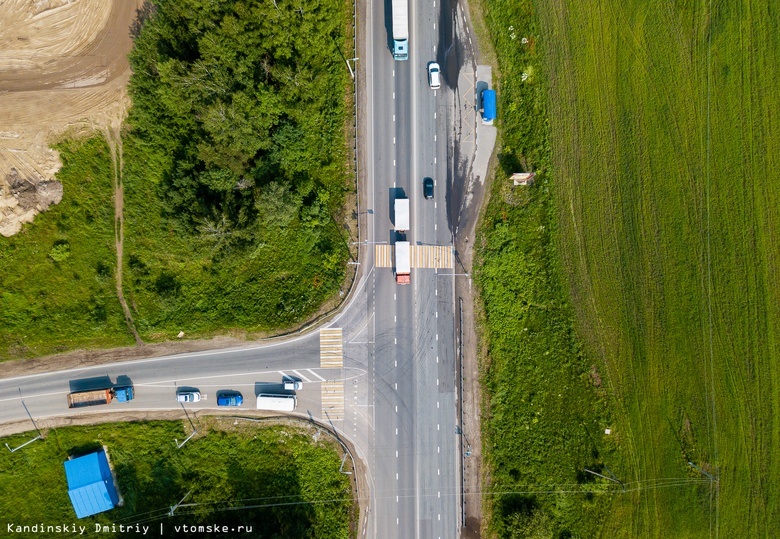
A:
401, 29
276, 403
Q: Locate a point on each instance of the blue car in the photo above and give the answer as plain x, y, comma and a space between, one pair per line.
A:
230, 398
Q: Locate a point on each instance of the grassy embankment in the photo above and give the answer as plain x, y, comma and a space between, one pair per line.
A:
666, 142
57, 288
230, 467
545, 407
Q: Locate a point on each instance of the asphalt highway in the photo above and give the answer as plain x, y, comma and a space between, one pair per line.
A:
413, 454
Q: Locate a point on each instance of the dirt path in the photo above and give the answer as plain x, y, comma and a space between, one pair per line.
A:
114, 139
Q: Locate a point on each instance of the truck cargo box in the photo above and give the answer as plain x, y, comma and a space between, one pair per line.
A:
401, 211
89, 398
403, 265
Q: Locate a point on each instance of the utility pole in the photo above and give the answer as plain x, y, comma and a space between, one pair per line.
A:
351, 72
194, 430
613, 479
28, 442
343, 460
174, 507
692, 465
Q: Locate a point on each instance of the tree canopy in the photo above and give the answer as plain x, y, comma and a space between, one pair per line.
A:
245, 98
236, 163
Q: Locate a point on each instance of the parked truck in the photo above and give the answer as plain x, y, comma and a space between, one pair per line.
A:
401, 210
488, 106
403, 262
94, 397
401, 29
276, 403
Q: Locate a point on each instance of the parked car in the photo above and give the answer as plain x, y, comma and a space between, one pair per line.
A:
230, 398
291, 384
434, 76
188, 396
428, 188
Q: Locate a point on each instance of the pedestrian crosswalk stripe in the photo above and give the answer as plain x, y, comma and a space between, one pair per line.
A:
432, 256
331, 348
383, 256
422, 256
332, 400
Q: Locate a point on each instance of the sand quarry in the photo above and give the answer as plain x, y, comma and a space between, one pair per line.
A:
63, 68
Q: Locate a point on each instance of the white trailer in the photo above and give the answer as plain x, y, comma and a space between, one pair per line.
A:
277, 403
401, 29
403, 262
401, 211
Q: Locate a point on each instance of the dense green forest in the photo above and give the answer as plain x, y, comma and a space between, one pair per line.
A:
235, 163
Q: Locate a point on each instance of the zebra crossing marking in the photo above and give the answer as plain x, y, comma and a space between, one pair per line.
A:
331, 348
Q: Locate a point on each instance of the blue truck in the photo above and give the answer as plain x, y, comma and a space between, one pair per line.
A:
93, 397
488, 99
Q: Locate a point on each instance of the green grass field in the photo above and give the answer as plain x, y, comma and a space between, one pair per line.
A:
665, 145
224, 467
658, 190
57, 287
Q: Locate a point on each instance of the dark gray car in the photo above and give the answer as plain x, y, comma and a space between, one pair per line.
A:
428, 188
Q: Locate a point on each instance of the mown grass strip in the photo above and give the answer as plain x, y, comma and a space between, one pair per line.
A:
665, 162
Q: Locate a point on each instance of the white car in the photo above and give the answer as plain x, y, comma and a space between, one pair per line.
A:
291, 384
188, 396
434, 76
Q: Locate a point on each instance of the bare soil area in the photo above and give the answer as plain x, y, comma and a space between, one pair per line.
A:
63, 67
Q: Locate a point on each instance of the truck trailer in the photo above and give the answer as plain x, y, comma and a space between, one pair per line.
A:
401, 29
403, 262
277, 403
94, 397
401, 211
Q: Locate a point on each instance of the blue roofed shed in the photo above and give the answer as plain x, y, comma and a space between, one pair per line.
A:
90, 484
